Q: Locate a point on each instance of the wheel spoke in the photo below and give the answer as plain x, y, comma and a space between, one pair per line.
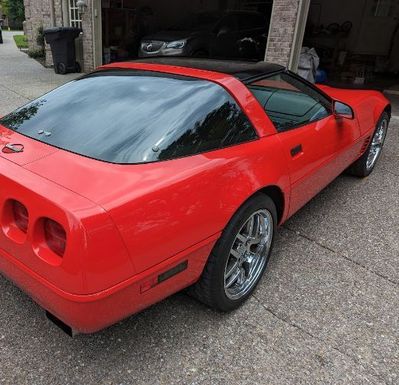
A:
235, 253
249, 263
241, 238
232, 269
241, 277
251, 223
258, 233
233, 278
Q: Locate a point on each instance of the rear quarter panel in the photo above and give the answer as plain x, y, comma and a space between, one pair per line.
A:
179, 203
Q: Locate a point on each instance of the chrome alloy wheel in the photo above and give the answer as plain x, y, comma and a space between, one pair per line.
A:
248, 254
376, 144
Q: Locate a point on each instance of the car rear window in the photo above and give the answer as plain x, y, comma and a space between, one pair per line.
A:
127, 117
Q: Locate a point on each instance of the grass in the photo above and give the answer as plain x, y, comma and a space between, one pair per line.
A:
21, 41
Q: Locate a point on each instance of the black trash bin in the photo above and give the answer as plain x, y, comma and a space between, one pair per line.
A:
62, 43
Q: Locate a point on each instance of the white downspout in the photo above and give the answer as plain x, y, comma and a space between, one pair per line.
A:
52, 14
300, 26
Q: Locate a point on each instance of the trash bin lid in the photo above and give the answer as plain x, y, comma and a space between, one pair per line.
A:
62, 29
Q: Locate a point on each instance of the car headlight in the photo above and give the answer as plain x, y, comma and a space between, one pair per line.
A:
178, 44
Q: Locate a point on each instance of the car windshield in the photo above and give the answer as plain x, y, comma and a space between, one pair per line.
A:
197, 22
126, 116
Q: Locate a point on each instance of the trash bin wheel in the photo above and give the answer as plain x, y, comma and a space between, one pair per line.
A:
61, 68
78, 68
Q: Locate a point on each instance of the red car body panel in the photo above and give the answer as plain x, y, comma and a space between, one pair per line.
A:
126, 224
368, 105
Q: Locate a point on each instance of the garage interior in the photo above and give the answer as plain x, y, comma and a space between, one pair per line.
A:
126, 22
357, 42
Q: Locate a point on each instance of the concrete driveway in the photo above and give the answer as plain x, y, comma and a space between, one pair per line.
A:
325, 313
22, 78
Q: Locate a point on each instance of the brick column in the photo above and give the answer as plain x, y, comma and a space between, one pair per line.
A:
37, 14
88, 36
282, 31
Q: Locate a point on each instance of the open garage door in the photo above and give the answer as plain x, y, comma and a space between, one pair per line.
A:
232, 29
357, 41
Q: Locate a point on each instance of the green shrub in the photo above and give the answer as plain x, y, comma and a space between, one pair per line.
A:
36, 53
40, 37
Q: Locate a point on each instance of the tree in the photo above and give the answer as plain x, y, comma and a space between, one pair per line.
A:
4, 7
15, 10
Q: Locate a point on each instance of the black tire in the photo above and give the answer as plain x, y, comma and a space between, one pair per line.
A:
360, 167
210, 289
61, 69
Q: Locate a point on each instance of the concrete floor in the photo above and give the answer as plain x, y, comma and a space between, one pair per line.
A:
22, 78
326, 312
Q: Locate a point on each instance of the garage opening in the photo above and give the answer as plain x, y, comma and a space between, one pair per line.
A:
357, 42
229, 29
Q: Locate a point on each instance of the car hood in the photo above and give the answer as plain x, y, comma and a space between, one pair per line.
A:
173, 35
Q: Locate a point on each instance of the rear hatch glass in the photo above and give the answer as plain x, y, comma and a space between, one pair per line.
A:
127, 116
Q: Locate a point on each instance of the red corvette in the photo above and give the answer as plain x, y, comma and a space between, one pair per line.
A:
144, 178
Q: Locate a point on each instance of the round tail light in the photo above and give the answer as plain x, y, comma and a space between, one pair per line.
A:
55, 236
21, 216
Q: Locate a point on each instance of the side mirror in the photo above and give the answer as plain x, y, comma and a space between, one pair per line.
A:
343, 110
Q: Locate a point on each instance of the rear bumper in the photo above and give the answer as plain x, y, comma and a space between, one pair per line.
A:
92, 312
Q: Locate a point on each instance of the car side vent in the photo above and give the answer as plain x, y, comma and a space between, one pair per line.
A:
365, 145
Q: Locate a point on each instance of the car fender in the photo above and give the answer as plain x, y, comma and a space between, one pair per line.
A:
368, 105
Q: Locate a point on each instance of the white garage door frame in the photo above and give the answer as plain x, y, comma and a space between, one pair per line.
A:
302, 17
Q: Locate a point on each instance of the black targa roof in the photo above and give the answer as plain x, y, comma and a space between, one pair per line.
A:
243, 70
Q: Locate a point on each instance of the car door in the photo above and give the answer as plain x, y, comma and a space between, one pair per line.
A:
317, 145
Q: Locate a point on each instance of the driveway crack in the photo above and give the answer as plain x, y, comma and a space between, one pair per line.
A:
15, 92
368, 369
318, 243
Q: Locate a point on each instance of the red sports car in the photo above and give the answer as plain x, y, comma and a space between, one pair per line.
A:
144, 178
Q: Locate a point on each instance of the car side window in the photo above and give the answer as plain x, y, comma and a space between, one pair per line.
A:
289, 102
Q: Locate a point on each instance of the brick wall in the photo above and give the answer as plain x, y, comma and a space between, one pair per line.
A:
38, 13
282, 31
87, 26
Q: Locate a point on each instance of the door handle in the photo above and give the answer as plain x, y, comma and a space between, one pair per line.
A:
296, 150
